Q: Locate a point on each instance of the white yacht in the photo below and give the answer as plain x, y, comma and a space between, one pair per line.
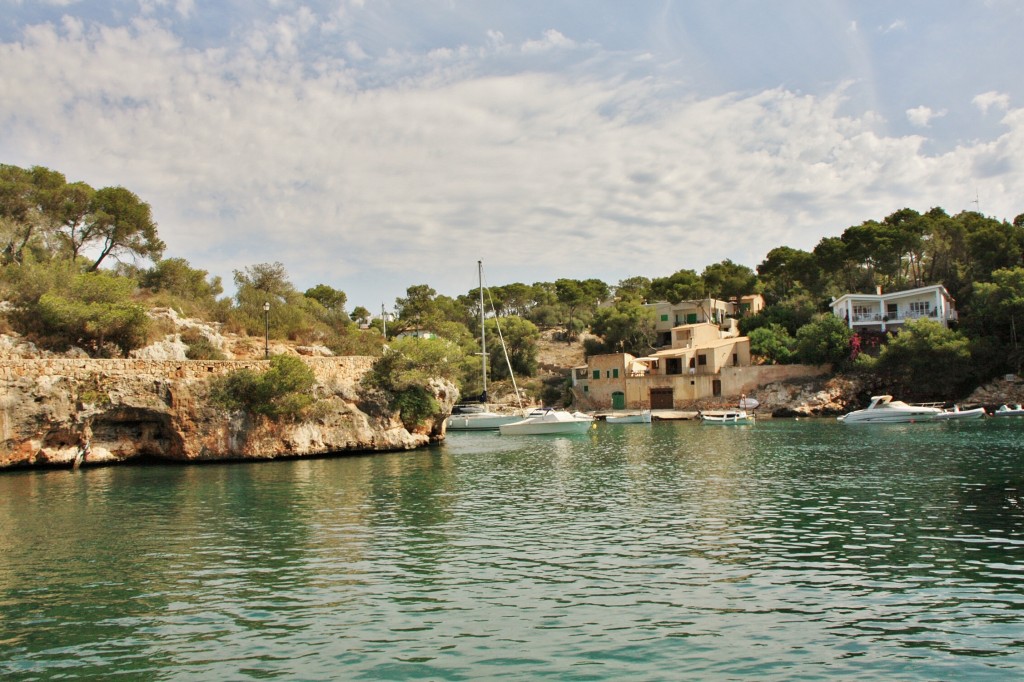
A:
548, 421
884, 410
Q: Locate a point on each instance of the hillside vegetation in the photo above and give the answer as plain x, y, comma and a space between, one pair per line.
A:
82, 270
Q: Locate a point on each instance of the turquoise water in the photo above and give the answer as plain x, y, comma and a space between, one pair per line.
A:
785, 550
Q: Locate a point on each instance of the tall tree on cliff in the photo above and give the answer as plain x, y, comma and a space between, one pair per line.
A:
121, 223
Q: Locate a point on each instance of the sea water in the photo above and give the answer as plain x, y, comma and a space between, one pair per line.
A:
783, 550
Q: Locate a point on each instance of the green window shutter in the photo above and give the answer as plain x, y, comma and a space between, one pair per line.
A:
597, 374
615, 374
664, 318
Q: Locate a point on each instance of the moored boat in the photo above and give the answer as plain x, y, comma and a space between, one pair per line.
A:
726, 417
1008, 411
884, 410
641, 417
956, 413
548, 421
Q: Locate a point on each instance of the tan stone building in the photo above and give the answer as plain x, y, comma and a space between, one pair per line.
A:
691, 369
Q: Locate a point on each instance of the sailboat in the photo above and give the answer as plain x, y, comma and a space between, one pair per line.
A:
478, 417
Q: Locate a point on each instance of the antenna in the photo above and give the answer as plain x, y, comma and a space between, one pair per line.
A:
977, 204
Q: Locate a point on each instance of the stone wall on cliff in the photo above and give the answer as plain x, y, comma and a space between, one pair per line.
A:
54, 410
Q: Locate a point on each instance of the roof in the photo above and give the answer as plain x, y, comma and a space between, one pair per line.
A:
895, 294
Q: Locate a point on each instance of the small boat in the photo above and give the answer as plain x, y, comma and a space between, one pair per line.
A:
548, 421
1008, 411
884, 410
956, 413
747, 403
641, 417
726, 417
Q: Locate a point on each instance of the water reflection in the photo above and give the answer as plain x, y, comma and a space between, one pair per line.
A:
631, 550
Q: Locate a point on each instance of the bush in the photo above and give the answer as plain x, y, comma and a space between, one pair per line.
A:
200, 347
405, 371
95, 313
825, 340
283, 392
773, 344
927, 361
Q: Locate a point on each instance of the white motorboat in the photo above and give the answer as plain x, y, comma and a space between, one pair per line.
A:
1009, 411
641, 417
478, 417
726, 417
543, 422
956, 413
884, 410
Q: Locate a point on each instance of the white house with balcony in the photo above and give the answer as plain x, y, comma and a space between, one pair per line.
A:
883, 312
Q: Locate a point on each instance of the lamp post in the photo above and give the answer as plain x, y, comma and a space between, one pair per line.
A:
266, 330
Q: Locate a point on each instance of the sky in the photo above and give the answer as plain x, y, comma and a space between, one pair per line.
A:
374, 145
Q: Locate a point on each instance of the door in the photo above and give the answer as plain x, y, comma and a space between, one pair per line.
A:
618, 400
661, 399
716, 388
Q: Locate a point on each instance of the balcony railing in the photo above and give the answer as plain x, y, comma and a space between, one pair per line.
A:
901, 316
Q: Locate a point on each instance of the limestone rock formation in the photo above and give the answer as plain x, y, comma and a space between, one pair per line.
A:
55, 411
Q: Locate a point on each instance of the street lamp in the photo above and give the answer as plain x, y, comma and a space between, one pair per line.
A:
266, 329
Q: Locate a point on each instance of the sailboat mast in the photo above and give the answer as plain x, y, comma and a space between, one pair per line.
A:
483, 336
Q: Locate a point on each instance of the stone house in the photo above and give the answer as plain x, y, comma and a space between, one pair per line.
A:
690, 369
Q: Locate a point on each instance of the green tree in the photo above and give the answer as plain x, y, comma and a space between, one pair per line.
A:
773, 344
626, 327
926, 361
361, 314
998, 311
635, 289
122, 223
330, 298
826, 339
684, 285
520, 337
785, 271
406, 370
177, 277
579, 297
728, 280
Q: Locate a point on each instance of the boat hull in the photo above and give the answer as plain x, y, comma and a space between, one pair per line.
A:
549, 423
487, 421
726, 418
642, 418
976, 413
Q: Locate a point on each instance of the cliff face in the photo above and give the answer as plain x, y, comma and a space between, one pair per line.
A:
54, 411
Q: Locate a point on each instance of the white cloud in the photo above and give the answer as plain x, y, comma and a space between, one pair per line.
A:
898, 25
552, 40
922, 116
991, 100
254, 155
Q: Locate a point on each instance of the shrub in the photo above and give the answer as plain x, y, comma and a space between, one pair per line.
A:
405, 371
200, 347
773, 343
283, 392
826, 339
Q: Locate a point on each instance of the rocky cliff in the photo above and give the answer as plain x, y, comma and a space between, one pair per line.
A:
59, 411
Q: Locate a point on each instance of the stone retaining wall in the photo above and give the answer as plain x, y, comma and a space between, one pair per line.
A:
350, 368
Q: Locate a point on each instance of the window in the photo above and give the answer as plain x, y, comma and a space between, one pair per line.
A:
586, 389
664, 318
597, 374
702, 360
615, 373
735, 359
920, 307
